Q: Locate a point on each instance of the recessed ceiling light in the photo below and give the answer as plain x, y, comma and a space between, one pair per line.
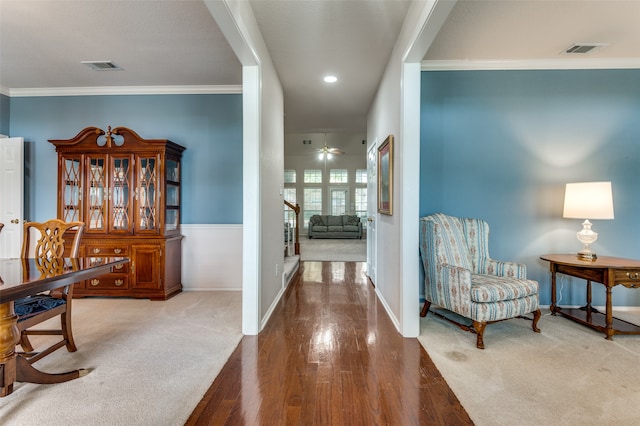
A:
330, 79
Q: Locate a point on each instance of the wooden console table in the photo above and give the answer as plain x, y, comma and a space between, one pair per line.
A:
608, 271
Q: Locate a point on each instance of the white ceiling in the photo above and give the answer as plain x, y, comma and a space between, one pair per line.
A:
177, 43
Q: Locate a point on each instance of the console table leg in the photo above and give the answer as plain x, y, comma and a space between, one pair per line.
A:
588, 308
553, 290
609, 315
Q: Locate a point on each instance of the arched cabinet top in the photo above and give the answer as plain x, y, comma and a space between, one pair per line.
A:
119, 138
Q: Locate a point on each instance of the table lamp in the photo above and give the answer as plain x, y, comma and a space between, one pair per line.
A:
588, 200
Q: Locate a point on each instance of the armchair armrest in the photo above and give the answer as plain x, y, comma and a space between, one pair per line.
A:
503, 269
455, 292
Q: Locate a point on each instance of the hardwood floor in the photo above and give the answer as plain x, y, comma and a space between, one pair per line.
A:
329, 355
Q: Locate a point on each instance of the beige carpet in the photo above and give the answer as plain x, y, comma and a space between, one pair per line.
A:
333, 250
567, 375
151, 362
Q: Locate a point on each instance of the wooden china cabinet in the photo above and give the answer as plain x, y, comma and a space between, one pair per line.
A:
127, 192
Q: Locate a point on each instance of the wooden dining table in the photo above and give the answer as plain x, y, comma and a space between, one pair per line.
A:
25, 277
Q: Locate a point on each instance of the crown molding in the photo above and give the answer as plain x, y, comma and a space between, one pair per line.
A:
122, 90
532, 64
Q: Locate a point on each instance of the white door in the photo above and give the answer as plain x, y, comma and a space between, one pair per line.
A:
11, 195
372, 210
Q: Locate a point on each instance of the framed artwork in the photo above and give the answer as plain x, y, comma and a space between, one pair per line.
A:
385, 176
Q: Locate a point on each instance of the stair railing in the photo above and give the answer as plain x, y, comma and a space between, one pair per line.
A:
288, 207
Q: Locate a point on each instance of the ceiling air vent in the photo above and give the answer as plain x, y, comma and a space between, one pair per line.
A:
582, 48
102, 65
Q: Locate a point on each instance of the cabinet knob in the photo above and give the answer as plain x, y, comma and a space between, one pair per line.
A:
119, 266
95, 282
634, 276
119, 283
15, 221
117, 251
96, 250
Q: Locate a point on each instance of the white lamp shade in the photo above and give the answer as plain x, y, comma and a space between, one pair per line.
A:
588, 200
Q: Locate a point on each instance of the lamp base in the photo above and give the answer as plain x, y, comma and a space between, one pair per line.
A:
586, 236
590, 256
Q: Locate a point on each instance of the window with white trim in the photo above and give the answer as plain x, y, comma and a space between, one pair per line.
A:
289, 176
312, 203
361, 203
338, 176
313, 176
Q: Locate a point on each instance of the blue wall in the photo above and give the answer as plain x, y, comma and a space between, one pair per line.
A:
501, 145
4, 115
209, 126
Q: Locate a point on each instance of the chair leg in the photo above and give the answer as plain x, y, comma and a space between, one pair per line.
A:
67, 334
25, 343
479, 327
536, 316
425, 308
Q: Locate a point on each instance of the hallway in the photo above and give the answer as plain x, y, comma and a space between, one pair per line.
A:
329, 356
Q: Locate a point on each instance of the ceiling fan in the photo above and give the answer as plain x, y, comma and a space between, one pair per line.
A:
327, 152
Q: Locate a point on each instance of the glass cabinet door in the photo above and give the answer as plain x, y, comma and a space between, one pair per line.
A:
146, 193
172, 196
121, 193
71, 175
96, 196
71, 189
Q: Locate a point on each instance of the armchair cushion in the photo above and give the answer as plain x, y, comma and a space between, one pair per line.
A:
488, 288
351, 220
33, 305
456, 250
334, 221
317, 220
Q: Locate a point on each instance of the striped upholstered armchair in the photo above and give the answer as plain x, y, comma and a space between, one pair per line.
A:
462, 278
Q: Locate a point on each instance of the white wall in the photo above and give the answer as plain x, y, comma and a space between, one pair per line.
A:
271, 195
211, 257
396, 111
263, 163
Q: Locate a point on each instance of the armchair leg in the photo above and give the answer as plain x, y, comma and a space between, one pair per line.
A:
25, 343
479, 327
425, 308
67, 334
536, 316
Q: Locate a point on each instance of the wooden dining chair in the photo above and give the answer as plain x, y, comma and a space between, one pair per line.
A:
46, 241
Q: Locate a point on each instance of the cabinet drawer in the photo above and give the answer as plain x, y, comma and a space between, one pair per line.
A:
118, 269
628, 277
118, 250
118, 283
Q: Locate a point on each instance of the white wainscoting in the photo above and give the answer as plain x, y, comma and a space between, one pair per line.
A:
211, 257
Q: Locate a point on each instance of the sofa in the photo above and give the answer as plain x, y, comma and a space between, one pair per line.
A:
329, 226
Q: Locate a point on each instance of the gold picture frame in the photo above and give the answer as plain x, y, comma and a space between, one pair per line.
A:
385, 176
